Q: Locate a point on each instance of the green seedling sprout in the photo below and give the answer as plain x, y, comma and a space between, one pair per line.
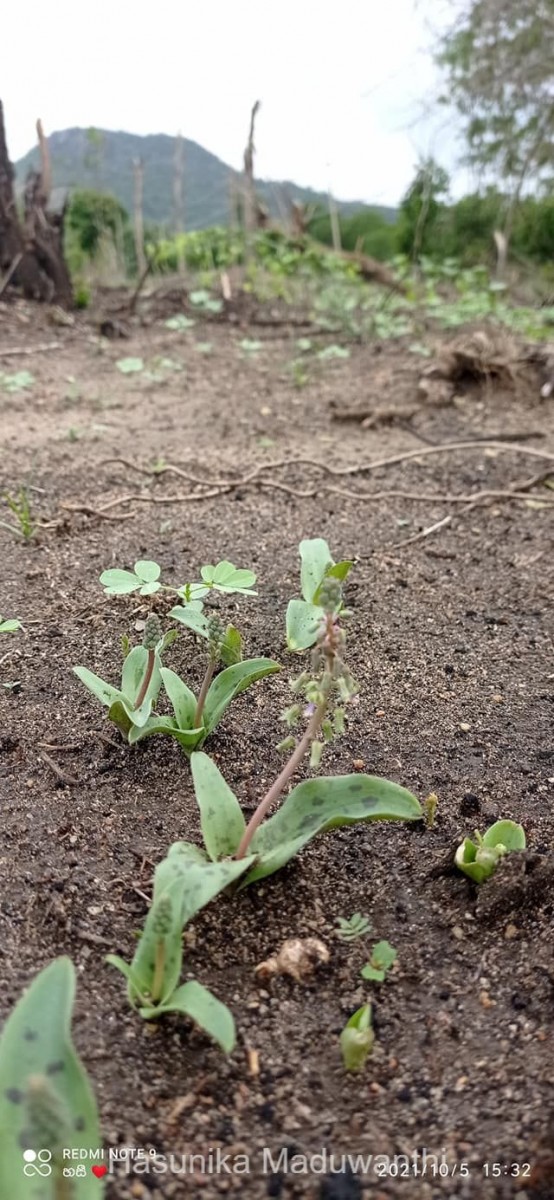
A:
9, 625
20, 506
382, 958
130, 706
181, 888
356, 1039
46, 1101
352, 928
194, 719
479, 859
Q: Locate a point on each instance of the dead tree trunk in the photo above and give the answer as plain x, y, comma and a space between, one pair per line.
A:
250, 216
11, 238
35, 244
178, 202
138, 171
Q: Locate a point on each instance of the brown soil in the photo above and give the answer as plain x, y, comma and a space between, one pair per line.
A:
451, 641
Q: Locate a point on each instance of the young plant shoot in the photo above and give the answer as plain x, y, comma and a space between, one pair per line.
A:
479, 859
181, 888
132, 707
382, 958
356, 1039
46, 1102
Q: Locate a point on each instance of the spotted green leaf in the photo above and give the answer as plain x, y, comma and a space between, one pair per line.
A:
46, 1101
321, 804
221, 816
194, 1001
230, 682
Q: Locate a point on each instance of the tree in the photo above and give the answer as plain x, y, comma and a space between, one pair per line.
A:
420, 208
500, 64
91, 215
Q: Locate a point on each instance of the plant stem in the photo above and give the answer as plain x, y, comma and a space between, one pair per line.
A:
288, 771
147, 678
204, 692
158, 982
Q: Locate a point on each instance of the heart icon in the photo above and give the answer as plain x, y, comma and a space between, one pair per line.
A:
99, 1171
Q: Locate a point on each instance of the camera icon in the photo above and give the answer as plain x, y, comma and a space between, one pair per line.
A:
37, 1162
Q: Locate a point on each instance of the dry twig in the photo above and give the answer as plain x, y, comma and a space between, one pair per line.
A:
29, 349
68, 780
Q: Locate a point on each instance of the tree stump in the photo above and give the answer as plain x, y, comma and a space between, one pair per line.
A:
31, 250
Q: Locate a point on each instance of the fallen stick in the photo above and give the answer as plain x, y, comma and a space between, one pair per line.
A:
30, 349
64, 778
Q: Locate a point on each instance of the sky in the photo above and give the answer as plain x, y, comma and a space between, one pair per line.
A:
346, 91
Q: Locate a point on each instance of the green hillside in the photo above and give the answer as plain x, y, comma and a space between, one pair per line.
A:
103, 160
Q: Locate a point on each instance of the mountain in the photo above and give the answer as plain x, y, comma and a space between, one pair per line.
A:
100, 159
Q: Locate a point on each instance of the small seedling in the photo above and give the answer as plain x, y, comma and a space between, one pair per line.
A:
130, 706
145, 579
179, 322
300, 376
429, 806
333, 352
479, 859
352, 928
356, 1039
130, 366
382, 958
204, 302
21, 381
10, 625
250, 347
47, 1108
20, 506
181, 888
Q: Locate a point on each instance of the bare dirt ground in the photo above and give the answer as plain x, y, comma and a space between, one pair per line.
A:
451, 641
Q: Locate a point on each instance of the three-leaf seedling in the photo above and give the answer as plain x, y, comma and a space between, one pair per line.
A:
479, 859
47, 1108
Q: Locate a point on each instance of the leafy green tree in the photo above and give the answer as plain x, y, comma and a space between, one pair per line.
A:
500, 65
420, 209
91, 215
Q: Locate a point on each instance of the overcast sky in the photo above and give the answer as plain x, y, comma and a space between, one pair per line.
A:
345, 90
